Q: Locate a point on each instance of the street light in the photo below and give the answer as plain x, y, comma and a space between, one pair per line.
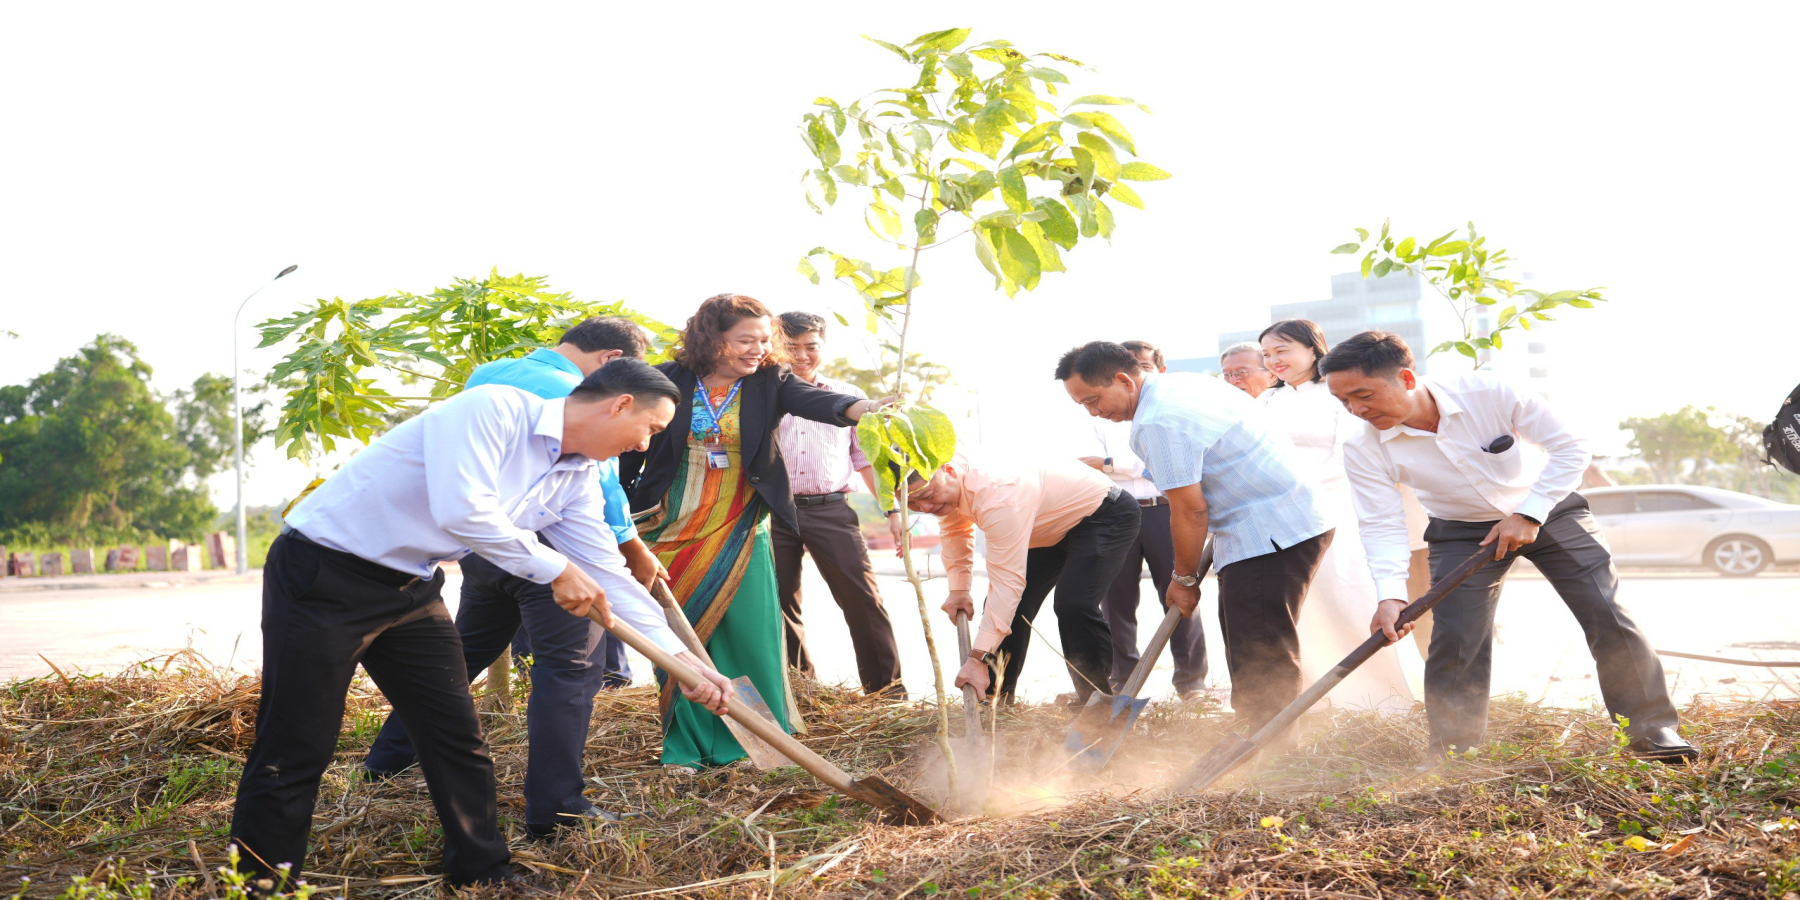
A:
237, 433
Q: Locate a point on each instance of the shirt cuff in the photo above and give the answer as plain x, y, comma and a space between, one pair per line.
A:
1391, 589
1536, 506
987, 640
960, 581
545, 564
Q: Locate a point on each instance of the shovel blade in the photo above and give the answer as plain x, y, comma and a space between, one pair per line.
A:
1100, 729
900, 807
761, 755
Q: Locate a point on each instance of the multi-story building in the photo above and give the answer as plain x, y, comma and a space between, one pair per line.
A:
1406, 305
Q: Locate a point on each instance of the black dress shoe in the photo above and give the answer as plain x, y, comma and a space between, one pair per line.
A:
592, 814
1663, 745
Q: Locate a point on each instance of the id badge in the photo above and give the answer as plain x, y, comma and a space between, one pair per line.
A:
717, 459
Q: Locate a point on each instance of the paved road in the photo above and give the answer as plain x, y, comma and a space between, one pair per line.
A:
1541, 653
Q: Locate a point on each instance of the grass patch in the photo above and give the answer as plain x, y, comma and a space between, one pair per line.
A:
126, 783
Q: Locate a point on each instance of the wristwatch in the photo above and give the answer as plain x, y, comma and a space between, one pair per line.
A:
1186, 580
984, 656
1106, 465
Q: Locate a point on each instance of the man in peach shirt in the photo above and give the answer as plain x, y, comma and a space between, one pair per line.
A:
1055, 524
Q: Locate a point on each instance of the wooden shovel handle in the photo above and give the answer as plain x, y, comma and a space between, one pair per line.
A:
770, 732
1159, 640
678, 621
971, 703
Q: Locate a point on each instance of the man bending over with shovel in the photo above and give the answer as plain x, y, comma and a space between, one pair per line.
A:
1226, 475
1056, 525
1456, 442
354, 578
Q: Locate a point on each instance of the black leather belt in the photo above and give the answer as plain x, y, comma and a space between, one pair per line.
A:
1148, 502
804, 500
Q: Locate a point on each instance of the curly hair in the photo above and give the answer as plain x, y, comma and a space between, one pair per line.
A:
703, 339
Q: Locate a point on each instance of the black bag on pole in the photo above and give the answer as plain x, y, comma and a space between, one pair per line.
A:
1781, 440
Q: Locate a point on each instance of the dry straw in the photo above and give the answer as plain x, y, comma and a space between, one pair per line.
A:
134, 773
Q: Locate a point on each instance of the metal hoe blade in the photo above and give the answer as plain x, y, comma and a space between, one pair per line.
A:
1100, 730
900, 807
762, 755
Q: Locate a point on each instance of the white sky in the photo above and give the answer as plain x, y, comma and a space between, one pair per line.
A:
161, 162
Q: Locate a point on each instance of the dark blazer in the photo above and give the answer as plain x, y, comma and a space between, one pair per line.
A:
765, 397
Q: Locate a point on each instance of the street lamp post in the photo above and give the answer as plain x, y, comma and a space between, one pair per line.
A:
237, 432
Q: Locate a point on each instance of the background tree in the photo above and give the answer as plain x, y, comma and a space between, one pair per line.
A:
91, 444
1674, 443
920, 379
1467, 273
343, 350
973, 147
203, 420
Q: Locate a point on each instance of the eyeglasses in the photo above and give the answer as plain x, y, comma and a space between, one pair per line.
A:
1241, 374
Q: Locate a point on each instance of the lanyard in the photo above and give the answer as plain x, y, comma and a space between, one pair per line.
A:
713, 413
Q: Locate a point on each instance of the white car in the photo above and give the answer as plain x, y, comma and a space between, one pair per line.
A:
1684, 525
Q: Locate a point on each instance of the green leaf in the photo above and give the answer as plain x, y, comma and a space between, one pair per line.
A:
1049, 259
1060, 226
886, 222
935, 435
1125, 195
1450, 249
1018, 261
897, 51
1461, 347
1351, 247
1103, 218
1579, 303
1012, 189
1404, 251
1033, 139
1048, 75
1142, 171
806, 268
827, 186
1368, 263
984, 251
1102, 100
959, 65
1362, 234
939, 40
1106, 162
1494, 338
823, 142
872, 437
1383, 267
1105, 123
925, 221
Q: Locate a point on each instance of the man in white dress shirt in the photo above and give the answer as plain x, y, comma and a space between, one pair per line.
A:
1155, 547
1456, 442
354, 579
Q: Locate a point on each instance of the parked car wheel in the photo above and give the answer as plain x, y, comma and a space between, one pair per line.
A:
1738, 556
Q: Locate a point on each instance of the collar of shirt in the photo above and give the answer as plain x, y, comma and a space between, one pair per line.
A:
1447, 407
549, 426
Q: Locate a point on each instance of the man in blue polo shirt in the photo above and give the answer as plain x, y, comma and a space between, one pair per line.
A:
572, 658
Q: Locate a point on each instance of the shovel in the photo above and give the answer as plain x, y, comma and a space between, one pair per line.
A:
899, 807
1100, 729
1236, 749
761, 755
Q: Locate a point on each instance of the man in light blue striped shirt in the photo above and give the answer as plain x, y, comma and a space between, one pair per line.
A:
1224, 474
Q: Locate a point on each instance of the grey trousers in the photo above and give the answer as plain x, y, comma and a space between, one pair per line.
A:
1155, 547
1573, 557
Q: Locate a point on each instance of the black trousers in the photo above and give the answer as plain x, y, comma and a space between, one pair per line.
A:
1575, 560
566, 672
1081, 568
324, 612
1259, 602
830, 531
1154, 547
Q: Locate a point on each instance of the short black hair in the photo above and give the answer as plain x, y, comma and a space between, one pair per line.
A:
1375, 353
1096, 362
597, 333
626, 376
795, 324
1136, 347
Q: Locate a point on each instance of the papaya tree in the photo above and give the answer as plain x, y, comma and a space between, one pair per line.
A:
1467, 273
976, 150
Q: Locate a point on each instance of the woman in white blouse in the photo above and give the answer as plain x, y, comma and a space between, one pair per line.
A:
1334, 619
